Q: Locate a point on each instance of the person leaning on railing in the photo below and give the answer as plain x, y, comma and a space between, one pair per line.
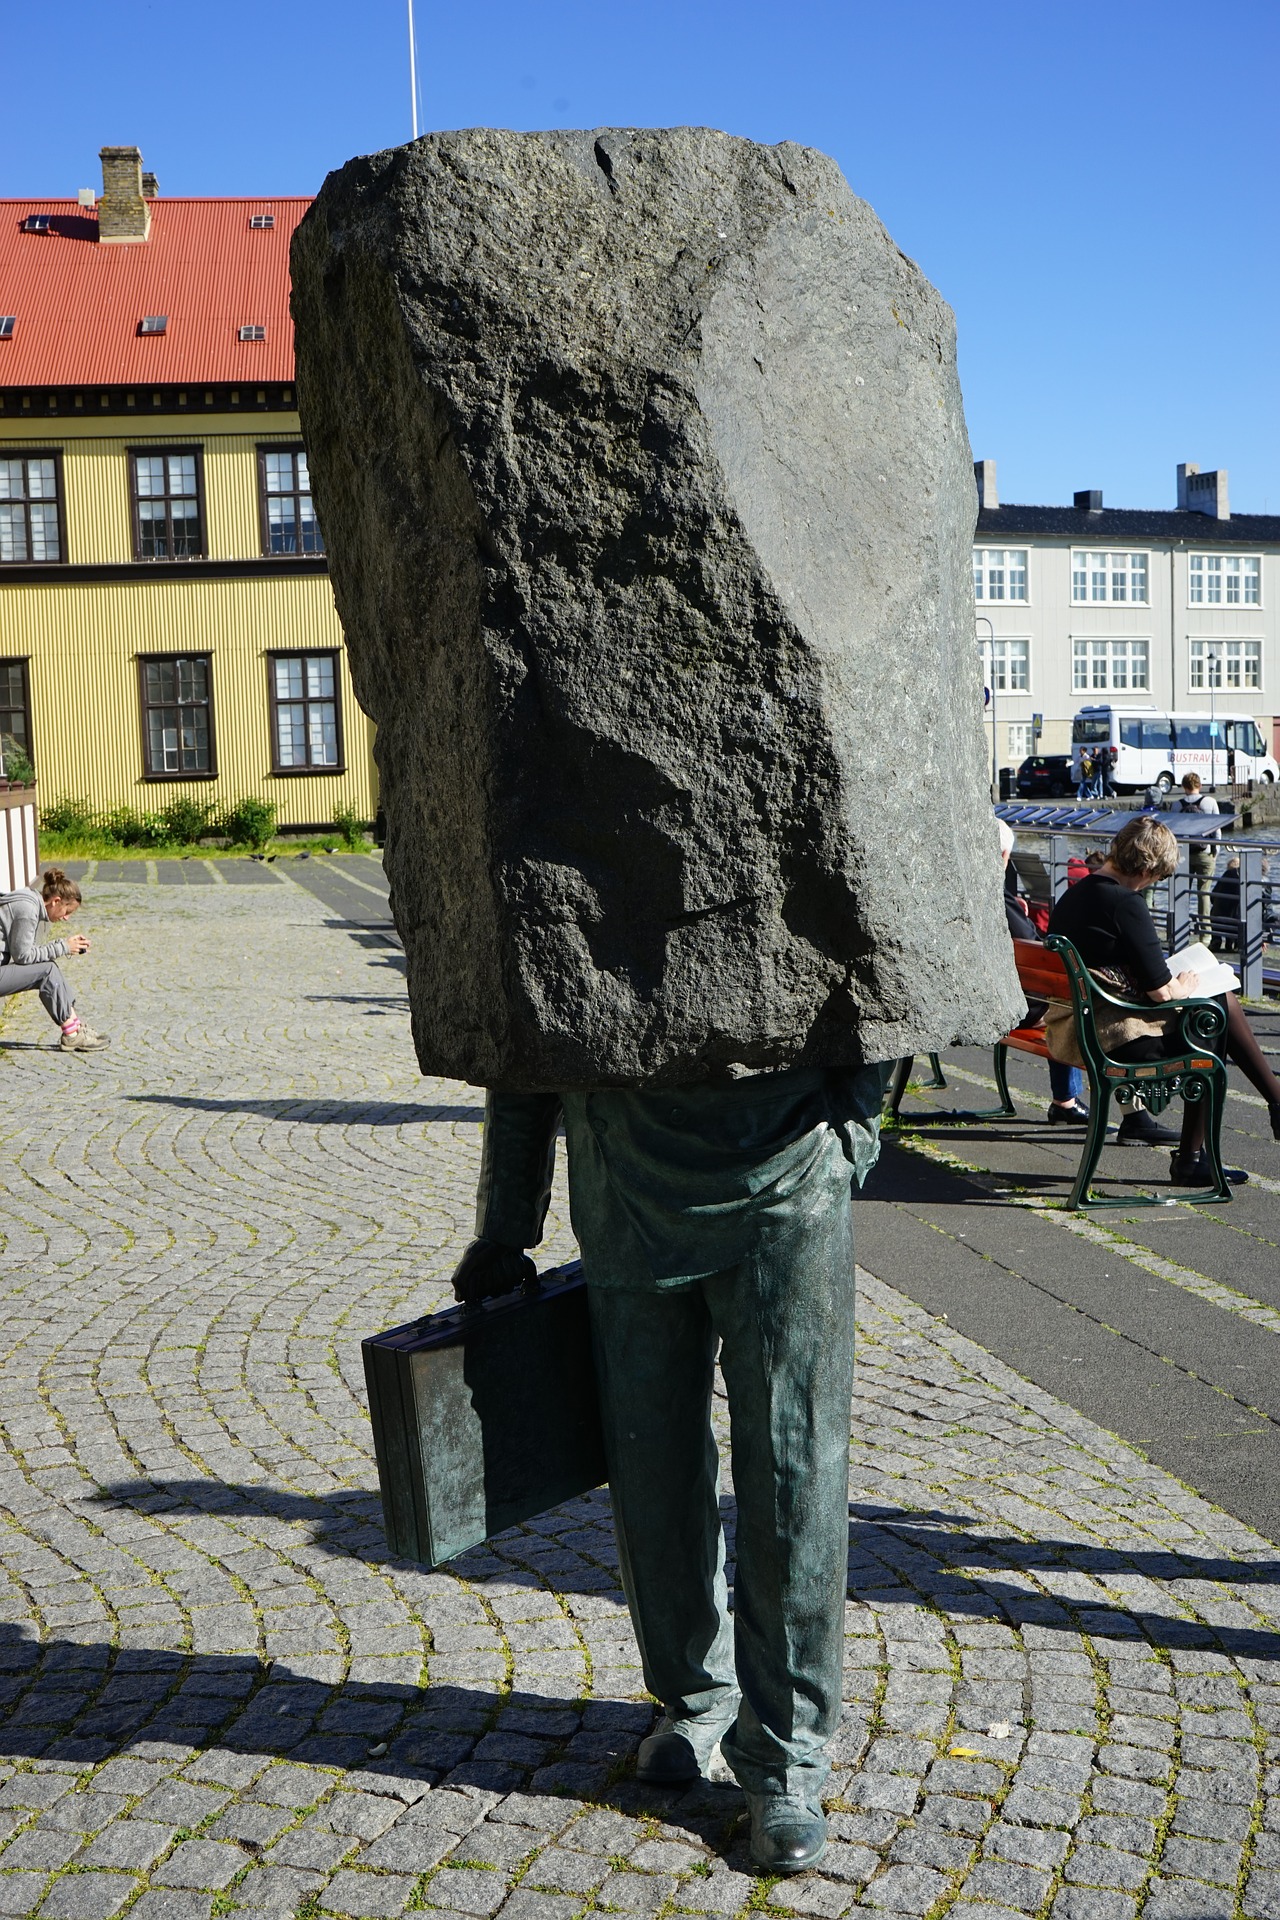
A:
1110, 925
26, 966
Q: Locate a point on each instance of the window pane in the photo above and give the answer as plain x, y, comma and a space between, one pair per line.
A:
185, 524
44, 532
13, 533
1251, 582
158, 680
320, 676
182, 473
11, 480
304, 477
291, 728
40, 480
1017, 576
279, 472
311, 541
323, 734
289, 679
281, 524
150, 472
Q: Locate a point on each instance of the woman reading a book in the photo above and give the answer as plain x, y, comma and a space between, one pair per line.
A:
1110, 925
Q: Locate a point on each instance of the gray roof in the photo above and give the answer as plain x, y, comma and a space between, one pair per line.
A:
1130, 523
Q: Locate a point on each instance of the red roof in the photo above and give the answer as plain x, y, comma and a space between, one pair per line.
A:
77, 304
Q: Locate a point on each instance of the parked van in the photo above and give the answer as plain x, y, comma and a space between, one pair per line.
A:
1153, 749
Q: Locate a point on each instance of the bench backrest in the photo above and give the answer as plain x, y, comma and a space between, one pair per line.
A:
1041, 973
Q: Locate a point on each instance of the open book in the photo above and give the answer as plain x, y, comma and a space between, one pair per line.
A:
1214, 976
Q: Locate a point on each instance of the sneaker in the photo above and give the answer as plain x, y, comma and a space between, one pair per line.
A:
83, 1040
1139, 1128
1073, 1116
1194, 1170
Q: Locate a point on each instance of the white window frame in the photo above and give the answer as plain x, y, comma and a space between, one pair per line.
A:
1007, 652
1106, 577
1012, 566
1025, 731
1210, 577
1214, 658
1095, 653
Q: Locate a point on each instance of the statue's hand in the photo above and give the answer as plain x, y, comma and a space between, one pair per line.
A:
488, 1268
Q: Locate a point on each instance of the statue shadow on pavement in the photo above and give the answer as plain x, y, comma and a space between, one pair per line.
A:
319, 1113
85, 1702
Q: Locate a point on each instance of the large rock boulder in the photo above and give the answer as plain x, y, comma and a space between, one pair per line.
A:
643, 473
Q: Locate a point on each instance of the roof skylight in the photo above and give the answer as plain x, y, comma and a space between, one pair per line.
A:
252, 333
154, 323
262, 219
8, 321
36, 223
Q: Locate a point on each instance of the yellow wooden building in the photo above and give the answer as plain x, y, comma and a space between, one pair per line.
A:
166, 620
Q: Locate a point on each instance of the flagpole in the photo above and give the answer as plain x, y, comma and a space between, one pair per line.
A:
413, 72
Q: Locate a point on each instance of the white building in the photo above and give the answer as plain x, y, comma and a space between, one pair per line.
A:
1088, 603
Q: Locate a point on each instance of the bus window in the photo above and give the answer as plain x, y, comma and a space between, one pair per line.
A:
1244, 737
1088, 731
1157, 735
1194, 737
1131, 733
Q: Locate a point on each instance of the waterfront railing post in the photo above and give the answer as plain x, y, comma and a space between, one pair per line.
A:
1251, 921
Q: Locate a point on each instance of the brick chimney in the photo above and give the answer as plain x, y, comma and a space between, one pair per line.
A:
984, 472
1203, 492
124, 214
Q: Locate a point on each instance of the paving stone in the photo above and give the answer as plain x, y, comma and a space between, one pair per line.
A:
813, 1893
20, 1892
1218, 1864
565, 1871
1262, 1896
41, 1847
722, 1892
467, 1889
524, 1904
636, 1892
128, 1843
172, 1905
1006, 1884
87, 1896
1106, 1867
367, 1895
1093, 1903
1027, 1846
1188, 1900
200, 1863
906, 1889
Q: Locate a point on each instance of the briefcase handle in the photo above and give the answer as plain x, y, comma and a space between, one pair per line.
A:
488, 1271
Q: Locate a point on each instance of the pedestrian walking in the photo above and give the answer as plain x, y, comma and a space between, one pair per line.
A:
1202, 855
27, 966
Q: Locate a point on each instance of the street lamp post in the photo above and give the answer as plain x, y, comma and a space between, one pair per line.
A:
991, 637
1214, 659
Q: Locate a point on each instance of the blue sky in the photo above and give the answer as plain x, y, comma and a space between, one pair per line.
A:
1093, 188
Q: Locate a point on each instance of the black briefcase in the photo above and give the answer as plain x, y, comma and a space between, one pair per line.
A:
484, 1416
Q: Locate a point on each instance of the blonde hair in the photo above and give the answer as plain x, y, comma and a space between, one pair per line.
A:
58, 887
1144, 846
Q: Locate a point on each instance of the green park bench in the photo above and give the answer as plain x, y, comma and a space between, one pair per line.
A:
1055, 971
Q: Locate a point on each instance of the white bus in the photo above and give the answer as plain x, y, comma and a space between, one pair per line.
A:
1153, 749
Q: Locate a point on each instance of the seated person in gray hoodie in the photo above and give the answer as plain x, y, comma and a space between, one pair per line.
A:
26, 964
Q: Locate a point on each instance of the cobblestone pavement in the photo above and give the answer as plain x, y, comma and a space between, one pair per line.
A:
222, 1697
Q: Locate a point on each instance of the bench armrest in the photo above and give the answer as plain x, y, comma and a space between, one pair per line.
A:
1201, 1020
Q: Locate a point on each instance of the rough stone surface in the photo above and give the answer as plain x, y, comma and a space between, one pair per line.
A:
648, 502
